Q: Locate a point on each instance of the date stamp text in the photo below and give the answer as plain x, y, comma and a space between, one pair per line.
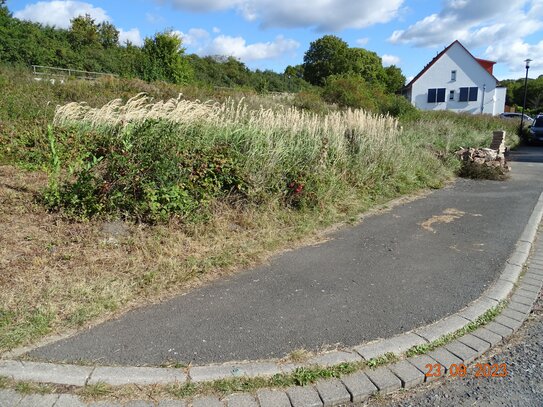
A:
461, 370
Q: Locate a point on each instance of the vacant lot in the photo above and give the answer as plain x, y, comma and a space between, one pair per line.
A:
115, 205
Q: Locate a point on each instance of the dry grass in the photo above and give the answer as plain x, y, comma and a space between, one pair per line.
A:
62, 274
58, 274
137, 109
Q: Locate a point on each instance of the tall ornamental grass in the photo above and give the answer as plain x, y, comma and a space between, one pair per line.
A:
185, 154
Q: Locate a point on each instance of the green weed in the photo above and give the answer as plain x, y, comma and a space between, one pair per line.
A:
99, 389
484, 319
382, 360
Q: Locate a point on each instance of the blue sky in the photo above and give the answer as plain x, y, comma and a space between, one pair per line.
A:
271, 34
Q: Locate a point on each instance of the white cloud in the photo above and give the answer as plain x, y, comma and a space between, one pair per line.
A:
202, 43
498, 26
362, 41
59, 13
238, 48
390, 60
324, 15
193, 37
474, 23
515, 53
154, 18
216, 30
133, 35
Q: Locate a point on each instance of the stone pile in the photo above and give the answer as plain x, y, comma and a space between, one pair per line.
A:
491, 157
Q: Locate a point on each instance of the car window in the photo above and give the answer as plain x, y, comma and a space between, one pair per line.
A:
538, 122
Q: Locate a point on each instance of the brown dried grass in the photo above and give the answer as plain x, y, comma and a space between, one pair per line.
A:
77, 274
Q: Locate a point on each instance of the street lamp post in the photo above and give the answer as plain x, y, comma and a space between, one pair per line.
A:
525, 91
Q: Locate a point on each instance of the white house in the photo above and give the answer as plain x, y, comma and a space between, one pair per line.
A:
456, 80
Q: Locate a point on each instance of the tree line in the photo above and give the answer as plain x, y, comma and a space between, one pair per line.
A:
534, 94
92, 46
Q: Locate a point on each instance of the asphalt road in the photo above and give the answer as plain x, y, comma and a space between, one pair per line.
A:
391, 273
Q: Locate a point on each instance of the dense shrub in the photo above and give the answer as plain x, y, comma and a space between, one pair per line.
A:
350, 91
148, 173
399, 106
310, 100
173, 158
477, 171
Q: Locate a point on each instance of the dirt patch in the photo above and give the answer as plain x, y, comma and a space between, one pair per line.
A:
449, 215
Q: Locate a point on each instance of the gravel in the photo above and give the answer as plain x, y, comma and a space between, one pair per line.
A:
523, 354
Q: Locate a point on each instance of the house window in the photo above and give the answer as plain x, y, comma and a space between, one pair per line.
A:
468, 94
432, 93
453, 75
436, 95
473, 94
451, 95
441, 95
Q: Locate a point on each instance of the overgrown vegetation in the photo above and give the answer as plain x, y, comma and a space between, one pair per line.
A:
473, 170
152, 161
224, 188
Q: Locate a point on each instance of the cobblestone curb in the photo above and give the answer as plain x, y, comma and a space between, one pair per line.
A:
354, 388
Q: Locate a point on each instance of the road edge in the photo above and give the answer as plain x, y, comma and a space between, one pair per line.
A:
517, 284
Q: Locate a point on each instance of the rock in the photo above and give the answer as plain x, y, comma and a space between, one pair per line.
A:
493, 157
115, 229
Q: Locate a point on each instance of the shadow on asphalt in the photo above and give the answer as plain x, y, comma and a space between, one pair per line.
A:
527, 154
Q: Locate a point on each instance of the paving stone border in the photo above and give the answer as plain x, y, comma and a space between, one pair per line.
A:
520, 290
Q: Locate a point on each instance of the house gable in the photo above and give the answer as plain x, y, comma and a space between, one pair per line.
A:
456, 80
483, 63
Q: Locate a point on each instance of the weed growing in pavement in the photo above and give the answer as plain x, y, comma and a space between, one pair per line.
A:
96, 390
484, 319
382, 360
181, 390
298, 356
34, 388
174, 364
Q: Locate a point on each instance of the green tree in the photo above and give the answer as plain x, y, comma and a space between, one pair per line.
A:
326, 56
83, 32
108, 34
367, 64
330, 55
164, 59
394, 79
534, 93
296, 71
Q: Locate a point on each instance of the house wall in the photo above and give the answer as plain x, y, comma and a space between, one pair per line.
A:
469, 73
499, 104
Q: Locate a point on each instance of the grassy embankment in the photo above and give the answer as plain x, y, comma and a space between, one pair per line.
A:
204, 189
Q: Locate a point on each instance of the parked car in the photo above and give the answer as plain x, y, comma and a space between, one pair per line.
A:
536, 130
508, 115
